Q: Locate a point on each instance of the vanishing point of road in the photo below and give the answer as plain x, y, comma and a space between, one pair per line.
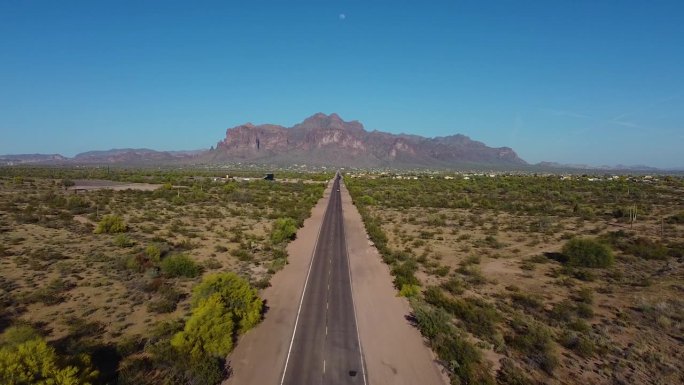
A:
325, 348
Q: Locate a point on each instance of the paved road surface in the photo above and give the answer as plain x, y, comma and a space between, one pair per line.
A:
325, 346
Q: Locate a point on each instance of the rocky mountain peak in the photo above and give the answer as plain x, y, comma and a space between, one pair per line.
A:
328, 139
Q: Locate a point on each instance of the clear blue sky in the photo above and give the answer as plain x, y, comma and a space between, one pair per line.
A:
596, 82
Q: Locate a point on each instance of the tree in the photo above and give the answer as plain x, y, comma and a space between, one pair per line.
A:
25, 358
208, 331
236, 294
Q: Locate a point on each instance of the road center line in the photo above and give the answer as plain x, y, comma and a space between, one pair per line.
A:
306, 282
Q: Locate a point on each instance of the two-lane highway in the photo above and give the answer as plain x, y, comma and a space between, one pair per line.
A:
325, 347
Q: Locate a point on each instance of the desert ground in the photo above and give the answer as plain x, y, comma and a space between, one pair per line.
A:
478, 278
106, 293
482, 260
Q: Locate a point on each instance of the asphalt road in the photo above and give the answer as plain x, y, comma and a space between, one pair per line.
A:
325, 347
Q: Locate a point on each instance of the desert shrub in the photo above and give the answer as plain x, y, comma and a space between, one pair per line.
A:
167, 301
587, 252
676, 218
223, 305
463, 360
284, 229
220, 249
472, 274
208, 331
236, 293
50, 294
367, 200
584, 310
242, 255
454, 286
527, 301
25, 358
431, 321
408, 290
111, 224
478, 316
563, 311
276, 265
509, 374
121, 240
534, 339
153, 253
646, 249
404, 273
580, 344
175, 366
586, 295
180, 265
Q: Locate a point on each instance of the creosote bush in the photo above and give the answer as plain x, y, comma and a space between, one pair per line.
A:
587, 252
180, 265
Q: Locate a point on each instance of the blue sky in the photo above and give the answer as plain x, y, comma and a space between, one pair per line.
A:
595, 82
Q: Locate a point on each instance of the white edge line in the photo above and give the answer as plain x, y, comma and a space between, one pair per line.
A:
358, 336
301, 300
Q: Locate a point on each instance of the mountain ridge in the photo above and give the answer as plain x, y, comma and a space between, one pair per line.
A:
329, 140
321, 140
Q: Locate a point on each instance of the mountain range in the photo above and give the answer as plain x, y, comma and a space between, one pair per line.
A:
328, 140
320, 140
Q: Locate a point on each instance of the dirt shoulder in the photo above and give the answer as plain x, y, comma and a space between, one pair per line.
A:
260, 354
394, 351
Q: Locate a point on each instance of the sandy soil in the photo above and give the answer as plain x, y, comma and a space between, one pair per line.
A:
96, 184
394, 351
259, 356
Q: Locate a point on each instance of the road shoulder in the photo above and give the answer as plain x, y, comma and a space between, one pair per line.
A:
395, 353
259, 356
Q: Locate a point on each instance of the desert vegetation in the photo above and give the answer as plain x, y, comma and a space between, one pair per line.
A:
137, 286
517, 279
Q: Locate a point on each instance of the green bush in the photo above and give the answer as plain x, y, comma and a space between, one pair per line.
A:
25, 358
284, 229
509, 374
534, 339
478, 316
153, 253
464, 360
180, 265
121, 240
587, 252
208, 331
167, 301
111, 224
240, 298
404, 274
580, 344
408, 290
431, 321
